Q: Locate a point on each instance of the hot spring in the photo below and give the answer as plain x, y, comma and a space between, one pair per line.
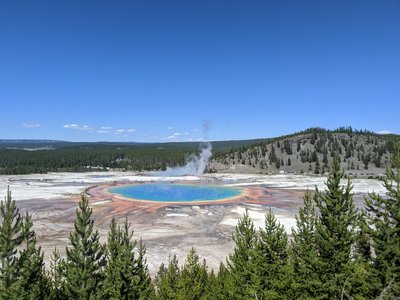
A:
159, 192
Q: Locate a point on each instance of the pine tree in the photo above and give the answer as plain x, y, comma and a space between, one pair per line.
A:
112, 285
56, 276
273, 268
126, 273
10, 238
85, 257
304, 250
32, 282
218, 286
383, 218
335, 234
193, 280
22, 274
317, 167
143, 285
241, 263
167, 280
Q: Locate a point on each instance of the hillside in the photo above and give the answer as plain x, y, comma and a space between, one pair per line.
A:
362, 153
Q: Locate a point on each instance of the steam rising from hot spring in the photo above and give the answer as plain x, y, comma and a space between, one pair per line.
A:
195, 164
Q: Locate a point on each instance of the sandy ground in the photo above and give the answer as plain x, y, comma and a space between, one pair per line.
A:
167, 230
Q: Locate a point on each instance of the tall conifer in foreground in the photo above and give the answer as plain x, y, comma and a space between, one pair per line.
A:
304, 250
384, 229
56, 279
22, 273
335, 235
273, 269
167, 280
194, 278
218, 284
111, 288
242, 280
32, 282
10, 238
85, 256
126, 273
143, 285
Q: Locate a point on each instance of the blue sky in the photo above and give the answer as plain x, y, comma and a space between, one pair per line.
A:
158, 70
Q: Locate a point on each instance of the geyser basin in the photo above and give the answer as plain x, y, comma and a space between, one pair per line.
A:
180, 193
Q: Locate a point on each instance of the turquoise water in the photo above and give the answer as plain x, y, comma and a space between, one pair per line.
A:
176, 192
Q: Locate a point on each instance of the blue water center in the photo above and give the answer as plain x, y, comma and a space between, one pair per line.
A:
176, 192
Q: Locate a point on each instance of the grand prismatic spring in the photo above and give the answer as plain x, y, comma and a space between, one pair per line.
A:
176, 193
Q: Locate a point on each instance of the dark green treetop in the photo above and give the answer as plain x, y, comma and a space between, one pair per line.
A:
85, 256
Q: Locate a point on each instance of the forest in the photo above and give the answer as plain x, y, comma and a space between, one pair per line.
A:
48, 156
336, 252
308, 151
312, 151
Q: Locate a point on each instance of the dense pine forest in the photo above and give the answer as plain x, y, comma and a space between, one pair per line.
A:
25, 157
336, 252
361, 153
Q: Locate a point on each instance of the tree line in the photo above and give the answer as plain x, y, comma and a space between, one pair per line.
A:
313, 150
91, 158
84, 157
336, 252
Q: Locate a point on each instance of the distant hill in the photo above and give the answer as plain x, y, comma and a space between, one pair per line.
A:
33, 156
362, 153
311, 151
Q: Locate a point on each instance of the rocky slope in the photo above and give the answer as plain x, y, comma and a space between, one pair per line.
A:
362, 154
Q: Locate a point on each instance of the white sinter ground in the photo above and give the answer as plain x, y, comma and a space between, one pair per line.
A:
56, 185
168, 231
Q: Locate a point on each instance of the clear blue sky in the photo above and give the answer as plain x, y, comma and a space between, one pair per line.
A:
156, 70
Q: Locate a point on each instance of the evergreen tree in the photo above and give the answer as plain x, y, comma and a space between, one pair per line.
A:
22, 273
56, 276
317, 167
218, 287
243, 283
335, 234
193, 280
126, 274
384, 228
304, 251
112, 285
10, 238
325, 160
85, 257
143, 285
167, 280
32, 282
273, 271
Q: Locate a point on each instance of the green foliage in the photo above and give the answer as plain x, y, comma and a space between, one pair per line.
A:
10, 238
335, 233
383, 219
126, 273
32, 282
167, 280
335, 253
243, 282
193, 278
143, 286
56, 273
305, 251
85, 256
22, 273
218, 285
272, 260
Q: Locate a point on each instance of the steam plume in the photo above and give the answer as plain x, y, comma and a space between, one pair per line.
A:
195, 164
